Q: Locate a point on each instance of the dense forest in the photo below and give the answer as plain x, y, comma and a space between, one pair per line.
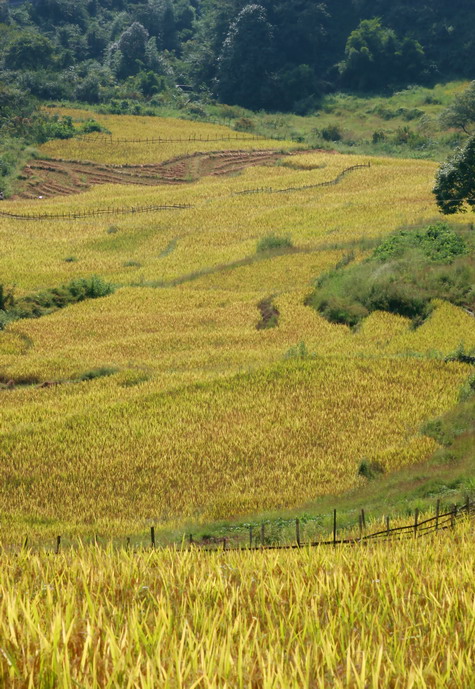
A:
274, 54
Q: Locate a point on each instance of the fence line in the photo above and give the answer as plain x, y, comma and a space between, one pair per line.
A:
148, 209
332, 182
93, 213
178, 140
257, 537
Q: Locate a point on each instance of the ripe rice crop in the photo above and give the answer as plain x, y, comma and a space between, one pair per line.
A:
398, 615
97, 148
166, 401
273, 438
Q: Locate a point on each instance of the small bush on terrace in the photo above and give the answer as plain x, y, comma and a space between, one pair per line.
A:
50, 300
273, 243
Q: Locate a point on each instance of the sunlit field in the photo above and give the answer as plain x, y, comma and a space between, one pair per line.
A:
204, 137
168, 401
395, 615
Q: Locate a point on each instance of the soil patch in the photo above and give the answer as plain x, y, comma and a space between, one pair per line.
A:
47, 178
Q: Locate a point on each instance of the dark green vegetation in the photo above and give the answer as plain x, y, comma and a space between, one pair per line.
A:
50, 300
273, 243
403, 275
274, 54
455, 181
22, 125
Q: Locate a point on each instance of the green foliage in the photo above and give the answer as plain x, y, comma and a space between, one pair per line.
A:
404, 274
438, 242
331, 133
273, 243
28, 51
370, 470
50, 300
455, 181
101, 372
244, 65
375, 57
300, 352
461, 113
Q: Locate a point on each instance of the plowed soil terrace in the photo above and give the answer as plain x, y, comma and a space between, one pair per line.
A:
47, 178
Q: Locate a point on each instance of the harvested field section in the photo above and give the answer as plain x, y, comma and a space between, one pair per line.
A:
45, 178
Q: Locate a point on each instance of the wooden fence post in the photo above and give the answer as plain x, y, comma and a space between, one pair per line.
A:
127, 543
453, 516
191, 539
224, 543
263, 529
250, 537
363, 519
334, 528
467, 504
416, 520
58, 544
437, 513
360, 524
297, 531
152, 536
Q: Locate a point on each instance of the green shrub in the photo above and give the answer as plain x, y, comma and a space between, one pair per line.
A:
370, 470
101, 372
50, 300
405, 273
331, 133
273, 243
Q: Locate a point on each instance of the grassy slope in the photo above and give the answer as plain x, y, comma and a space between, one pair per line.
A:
406, 122
227, 232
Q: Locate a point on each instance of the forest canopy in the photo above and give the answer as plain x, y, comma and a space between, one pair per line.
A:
272, 54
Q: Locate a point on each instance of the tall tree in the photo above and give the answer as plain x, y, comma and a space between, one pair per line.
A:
455, 181
245, 63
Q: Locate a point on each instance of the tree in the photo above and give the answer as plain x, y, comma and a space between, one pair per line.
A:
376, 58
29, 51
455, 181
127, 56
461, 114
244, 65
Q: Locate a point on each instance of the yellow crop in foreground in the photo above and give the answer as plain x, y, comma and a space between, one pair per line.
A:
399, 615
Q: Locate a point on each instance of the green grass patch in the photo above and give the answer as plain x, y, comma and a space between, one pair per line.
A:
402, 276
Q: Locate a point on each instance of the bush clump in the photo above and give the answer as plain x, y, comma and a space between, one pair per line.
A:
50, 300
405, 273
274, 243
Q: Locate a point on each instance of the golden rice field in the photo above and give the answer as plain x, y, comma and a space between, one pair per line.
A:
399, 615
204, 416
135, 128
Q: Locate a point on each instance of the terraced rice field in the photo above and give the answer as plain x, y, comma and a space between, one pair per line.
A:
51, 177
168, 401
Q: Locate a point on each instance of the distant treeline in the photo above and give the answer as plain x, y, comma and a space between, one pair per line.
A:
272, 54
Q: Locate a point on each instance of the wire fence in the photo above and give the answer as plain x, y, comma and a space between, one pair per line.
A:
93, 213
104, 139
256, 537
148, 209
329, 183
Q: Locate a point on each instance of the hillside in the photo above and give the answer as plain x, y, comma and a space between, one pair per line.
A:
272, 55
174, 399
